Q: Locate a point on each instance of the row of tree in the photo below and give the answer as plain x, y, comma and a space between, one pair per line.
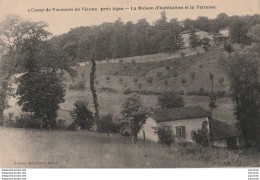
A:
119, 39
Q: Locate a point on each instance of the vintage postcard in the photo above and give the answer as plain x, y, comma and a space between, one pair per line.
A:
129, 84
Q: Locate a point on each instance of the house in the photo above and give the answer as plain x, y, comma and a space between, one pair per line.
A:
201, 35
185, 120
81, 64
222, 37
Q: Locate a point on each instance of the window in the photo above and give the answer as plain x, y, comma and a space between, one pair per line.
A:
180, 132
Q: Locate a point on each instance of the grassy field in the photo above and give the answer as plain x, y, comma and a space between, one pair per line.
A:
24, 148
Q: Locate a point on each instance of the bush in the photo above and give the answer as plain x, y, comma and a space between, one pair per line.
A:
73, 127
79, 86
201, 136
165, 135
82, 116
170, 100
127, 91
106, 125
182, 54
181, 92
28, 121
107, 89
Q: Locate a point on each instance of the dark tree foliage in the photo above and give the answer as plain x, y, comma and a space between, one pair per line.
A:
213, 98
201, 136
245, 92
82, 116
194, 40
107, 125
134, 114
165, 135
92, 86
170, 100
40, 90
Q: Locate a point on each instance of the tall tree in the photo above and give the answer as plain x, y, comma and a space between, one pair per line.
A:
13, 31
92, 86
134, 114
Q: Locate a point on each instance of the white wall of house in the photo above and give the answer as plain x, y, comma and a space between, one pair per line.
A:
186, 40
149, 131
190, 125
224, 32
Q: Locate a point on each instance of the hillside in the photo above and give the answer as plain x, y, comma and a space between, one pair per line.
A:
200, 64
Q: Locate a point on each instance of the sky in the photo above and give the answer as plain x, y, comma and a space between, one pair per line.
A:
61, 22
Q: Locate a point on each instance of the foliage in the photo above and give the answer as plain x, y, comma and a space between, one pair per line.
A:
170, 100
92, 86
134, 113
201, 136
28, 121
221, 80
192, 75
82, 116
159, 75
183, 81
228, 48
106, 125
149, 80
182, 54
213, 99
79, 86
165, 135
135, 80
194, 39
40, 91
245, 92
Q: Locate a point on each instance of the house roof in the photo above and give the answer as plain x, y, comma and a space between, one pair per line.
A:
173, 114
219, 130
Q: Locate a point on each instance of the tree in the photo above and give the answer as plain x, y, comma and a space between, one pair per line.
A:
106, 124
149, 80
13, 31
134, 113
212, 102
165, 135
108, 79
170, 100
245, 92
192, 75
205, 44
254, 33
183, 81
229, 49
201, 136
92, 86
175, 74
166, 83
135, 80
194, 39
221, 80
159, 75
40, 91
82, 116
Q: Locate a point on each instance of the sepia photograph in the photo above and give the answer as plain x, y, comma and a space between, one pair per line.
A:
129, 84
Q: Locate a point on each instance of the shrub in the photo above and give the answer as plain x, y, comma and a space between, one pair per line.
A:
120, 80
192, 75
165, 135
73, 127
170, 100
135, 80
149, 80
82, 116
201, 66
159, 75
107, 89
201, 136
140, 86
9, 121
28, 121
106, 125
115, 73
181, 92
183, 81
108, 79
175, 74
182, 54
79, 86
127, 91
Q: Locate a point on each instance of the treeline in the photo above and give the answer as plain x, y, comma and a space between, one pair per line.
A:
119, 39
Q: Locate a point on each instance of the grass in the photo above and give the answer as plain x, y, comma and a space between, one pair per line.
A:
83, 149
